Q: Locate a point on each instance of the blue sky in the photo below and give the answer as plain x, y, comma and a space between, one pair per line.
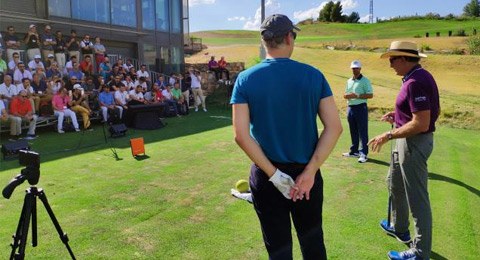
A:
245, 14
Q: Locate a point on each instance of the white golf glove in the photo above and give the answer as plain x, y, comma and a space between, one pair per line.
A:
283, 182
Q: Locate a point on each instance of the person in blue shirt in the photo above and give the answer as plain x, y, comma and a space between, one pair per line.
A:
106, 100
275, 109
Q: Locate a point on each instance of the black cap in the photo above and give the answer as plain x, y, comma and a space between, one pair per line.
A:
276, 25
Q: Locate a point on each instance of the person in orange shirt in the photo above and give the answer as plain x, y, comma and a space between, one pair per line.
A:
21, 111
222, 67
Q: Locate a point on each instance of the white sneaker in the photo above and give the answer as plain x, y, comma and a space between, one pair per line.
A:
196, 109
362, 159
77, 130
61, 131
356, 155
204, 109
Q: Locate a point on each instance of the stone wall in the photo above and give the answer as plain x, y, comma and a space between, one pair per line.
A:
209, 83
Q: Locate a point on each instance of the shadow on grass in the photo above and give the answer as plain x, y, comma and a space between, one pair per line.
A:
370, 160
436, 256
438, 177
141, 157
52, 146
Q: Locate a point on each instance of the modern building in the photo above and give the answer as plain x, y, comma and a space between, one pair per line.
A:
149, 31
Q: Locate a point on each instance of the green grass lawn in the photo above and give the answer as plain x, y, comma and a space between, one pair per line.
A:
177, 203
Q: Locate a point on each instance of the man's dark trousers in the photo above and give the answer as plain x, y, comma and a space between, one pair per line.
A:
274, 211
357, 116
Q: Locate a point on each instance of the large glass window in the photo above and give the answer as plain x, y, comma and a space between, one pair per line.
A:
161, 9
176, 16
150, 53
176, 58
91, 10
124, 12
60, 8
148, 14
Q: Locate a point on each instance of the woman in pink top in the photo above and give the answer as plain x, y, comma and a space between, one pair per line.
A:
60, 103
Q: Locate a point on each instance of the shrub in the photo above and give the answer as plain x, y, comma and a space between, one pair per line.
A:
461, 32
473, 44
425, 47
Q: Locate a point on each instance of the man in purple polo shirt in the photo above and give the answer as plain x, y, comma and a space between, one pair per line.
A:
416, 109
213, 66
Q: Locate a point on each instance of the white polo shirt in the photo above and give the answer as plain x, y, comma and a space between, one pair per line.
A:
122, 97
9, 91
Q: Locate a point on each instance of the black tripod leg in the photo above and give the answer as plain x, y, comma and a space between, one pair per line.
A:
63, 236
34, 222
18, 233
28, 206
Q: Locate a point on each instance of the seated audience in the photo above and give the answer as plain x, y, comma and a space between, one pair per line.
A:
169, 100
21, 111
128, 65
49, 61
14, 60
55, 85
129, 84
32, 65
75, 72
222, 66
142, 82
162, 84
3, 113
91, 91
60, 103
86, 66
213, 66
107, 104
136, 96
69, 65
70, 83
105, 68
144, 73
115, 84
80, 105
53, 71
132, 73
31, 94
122, 97
7, 91
177, 96
40, 72
172, 79
21, 73
43, 91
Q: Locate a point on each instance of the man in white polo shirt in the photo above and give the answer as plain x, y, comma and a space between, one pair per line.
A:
197, 89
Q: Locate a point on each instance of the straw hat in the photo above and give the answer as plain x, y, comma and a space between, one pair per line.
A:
399, 48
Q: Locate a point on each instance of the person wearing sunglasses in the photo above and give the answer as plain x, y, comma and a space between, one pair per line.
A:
21, 111
416, 110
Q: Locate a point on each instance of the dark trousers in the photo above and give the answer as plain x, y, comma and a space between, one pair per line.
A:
357, 116
217, 73
227, 73
274, 210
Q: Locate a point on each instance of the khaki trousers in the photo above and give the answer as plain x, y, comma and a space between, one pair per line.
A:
84, 113
197, 92
16, 125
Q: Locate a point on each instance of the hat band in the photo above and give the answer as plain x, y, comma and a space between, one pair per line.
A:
405, 50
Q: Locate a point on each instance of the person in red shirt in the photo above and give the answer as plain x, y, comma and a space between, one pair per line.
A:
86, 66
222, 67
21, 111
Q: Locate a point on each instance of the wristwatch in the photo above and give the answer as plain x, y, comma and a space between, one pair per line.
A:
389, 135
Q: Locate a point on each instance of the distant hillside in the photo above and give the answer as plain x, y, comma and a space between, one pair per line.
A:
324, 32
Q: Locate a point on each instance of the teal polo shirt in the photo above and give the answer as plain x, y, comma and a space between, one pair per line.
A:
283, 97
360, 86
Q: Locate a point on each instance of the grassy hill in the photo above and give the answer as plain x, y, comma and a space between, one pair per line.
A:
328, 32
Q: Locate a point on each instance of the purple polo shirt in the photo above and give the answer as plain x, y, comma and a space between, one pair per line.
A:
419, 92
212, 63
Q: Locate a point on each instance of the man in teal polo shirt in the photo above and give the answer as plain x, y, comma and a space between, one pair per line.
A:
358, 91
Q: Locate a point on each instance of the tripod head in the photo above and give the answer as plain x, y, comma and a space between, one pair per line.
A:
31, 172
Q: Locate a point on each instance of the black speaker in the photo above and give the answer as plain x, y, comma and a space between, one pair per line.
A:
118, 130
13, 148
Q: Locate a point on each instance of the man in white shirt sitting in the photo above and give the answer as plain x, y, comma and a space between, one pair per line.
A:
7, 91
121, 98
144, 73
169, 101
136, 97
33, 64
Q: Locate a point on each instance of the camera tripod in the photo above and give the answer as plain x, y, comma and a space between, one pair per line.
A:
29, 212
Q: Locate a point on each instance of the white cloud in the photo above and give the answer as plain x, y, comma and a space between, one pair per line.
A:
365, 19
200, 2
311, 13
349, 4
315, 12
271, 7
236, 18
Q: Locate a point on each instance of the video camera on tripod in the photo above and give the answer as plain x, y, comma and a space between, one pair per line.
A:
31, 173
